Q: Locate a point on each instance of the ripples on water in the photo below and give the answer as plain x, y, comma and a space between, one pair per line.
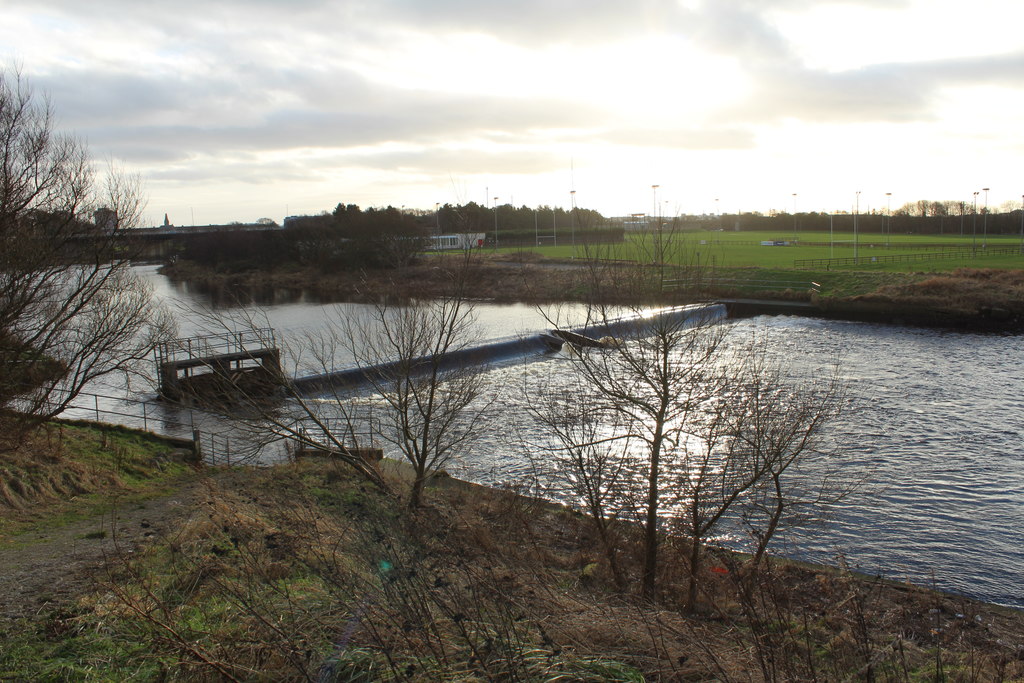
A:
936, 420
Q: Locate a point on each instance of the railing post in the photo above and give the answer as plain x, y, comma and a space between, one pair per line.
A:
96, 402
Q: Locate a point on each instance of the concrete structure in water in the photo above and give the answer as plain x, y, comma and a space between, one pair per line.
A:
199, 366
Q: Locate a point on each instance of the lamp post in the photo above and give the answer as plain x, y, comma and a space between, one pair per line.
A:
1022, 224
657, 222
831, 235
888, 218
984, 222
495, 223
572, 221
856, 211
794, 217
974, 227
437, 217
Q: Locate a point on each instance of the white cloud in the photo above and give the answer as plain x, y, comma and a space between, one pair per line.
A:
408, 102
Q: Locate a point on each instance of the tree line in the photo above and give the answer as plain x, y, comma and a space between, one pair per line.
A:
902, 221
351, 237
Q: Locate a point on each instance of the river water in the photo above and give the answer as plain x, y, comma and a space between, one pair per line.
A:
935, 423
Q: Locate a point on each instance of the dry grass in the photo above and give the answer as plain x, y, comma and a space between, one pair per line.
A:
965, 290
301, 572
59, 464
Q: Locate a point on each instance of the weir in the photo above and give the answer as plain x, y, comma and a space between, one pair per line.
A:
540, 343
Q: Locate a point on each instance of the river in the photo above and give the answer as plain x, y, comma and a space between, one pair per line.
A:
935, 420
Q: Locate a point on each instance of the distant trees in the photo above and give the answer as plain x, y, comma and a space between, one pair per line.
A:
71, 310
351, 237
378, 238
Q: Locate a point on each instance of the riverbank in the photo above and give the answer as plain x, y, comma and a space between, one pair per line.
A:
301, 570
968, 299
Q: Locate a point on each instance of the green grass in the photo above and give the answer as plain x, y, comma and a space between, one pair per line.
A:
743, 249
76, 471
29, 653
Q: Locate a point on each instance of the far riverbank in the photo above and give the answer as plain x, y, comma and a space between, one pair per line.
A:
967, 299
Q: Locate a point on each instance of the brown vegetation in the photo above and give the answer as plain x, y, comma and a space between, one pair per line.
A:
524, 277
300, 572
61, 462
965, 291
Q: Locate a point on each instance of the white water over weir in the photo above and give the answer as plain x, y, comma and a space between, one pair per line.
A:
935, 423
625, 327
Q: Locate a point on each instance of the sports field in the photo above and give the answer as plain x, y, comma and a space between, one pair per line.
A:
745, 249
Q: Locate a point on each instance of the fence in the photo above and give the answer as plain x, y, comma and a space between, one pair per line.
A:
906, 258
716, 284
214, 345
86, 406
359, 430
210, 447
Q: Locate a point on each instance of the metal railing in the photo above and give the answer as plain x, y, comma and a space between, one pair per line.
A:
86, 406
906, 258
211, 345
714, 283
358, 431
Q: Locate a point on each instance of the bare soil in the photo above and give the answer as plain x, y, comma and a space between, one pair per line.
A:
47, 568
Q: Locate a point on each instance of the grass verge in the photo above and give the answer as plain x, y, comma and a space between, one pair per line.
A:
302, 572
67, 471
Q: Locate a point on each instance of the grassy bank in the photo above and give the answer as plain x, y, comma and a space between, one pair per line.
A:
971, 298
66, 471
302, 572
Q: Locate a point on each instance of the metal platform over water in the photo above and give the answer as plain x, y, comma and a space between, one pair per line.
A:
189, 364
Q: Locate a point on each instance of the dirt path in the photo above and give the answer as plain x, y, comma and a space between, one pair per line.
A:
45, 569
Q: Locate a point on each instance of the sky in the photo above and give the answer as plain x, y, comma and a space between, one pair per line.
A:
244, 109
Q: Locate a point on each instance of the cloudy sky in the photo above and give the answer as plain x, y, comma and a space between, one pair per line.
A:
237, 110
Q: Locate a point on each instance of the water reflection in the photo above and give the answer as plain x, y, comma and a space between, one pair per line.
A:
936, 415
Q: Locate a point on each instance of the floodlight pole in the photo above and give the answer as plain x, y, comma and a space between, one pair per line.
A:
856, 211
888, 218
495, 224
831, 235
794, 217
984, 222
974, 228
572, 221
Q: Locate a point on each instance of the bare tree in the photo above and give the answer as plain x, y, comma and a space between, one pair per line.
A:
71, 310
411, 357
780, 426
654, 376
583, 447
711, 429
403, 374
